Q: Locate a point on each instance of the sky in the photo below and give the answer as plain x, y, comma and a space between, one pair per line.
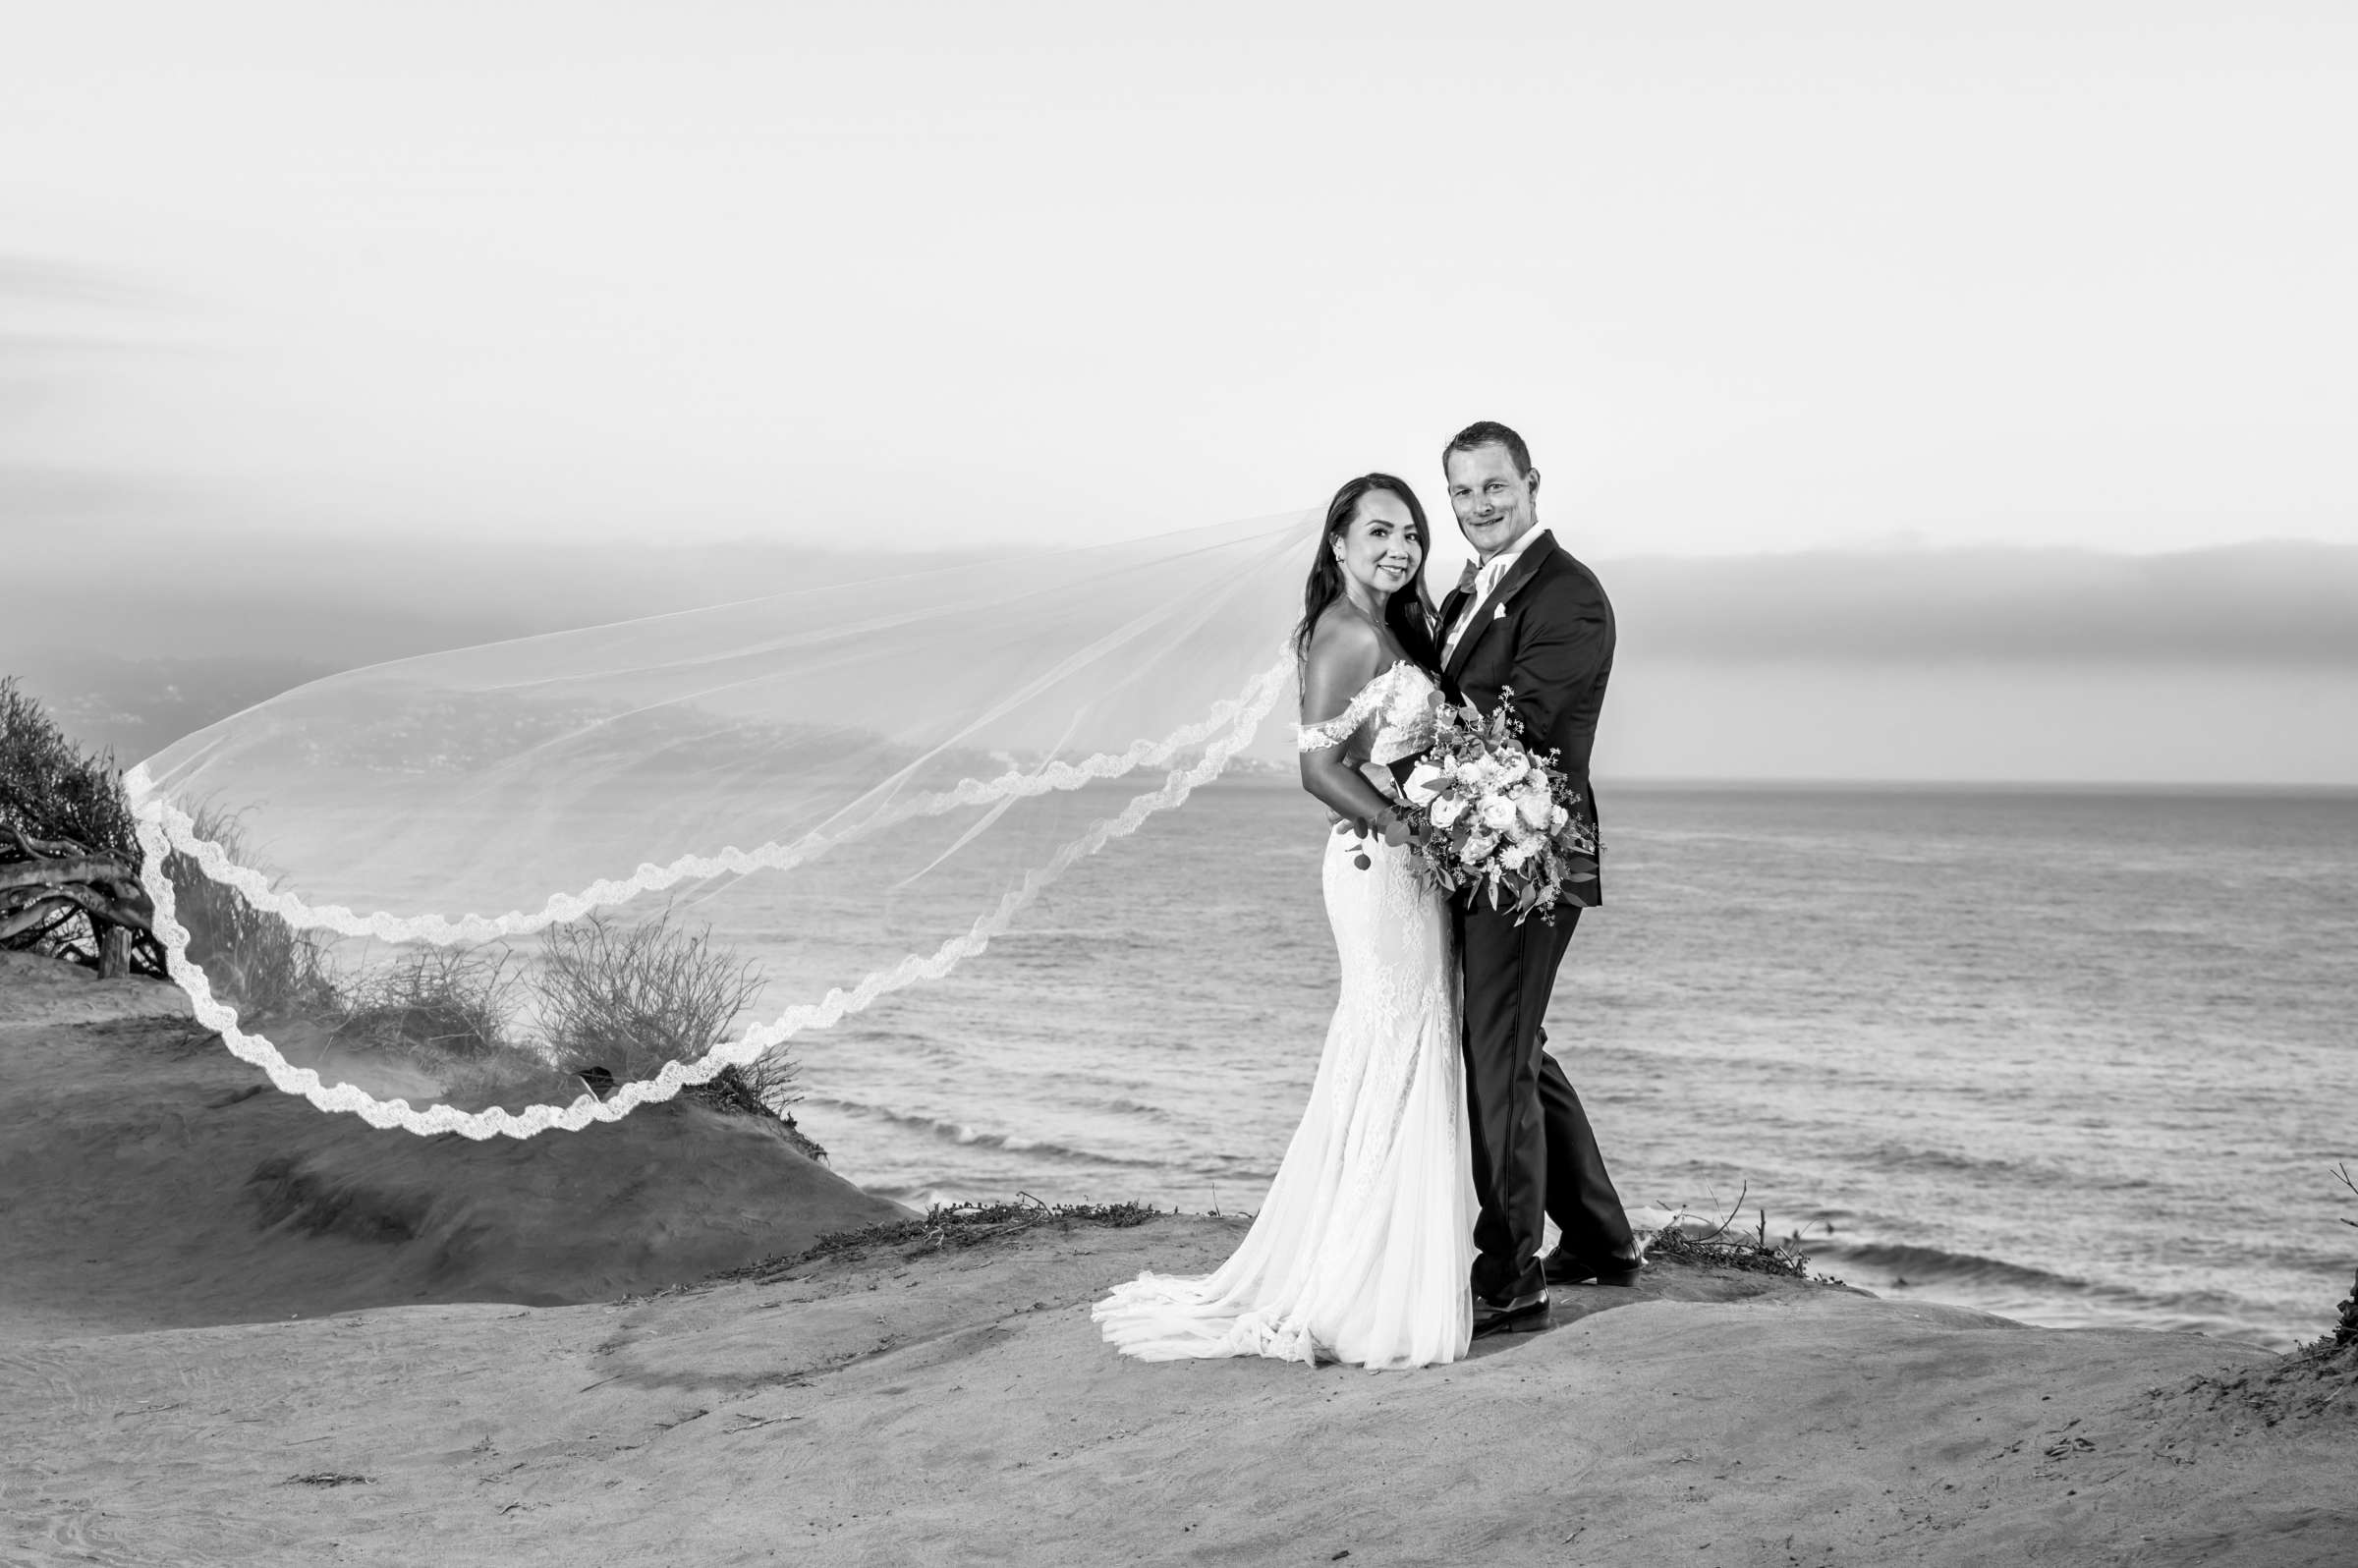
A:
1871, 347
912, 276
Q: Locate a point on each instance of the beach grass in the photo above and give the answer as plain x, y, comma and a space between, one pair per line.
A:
256, 962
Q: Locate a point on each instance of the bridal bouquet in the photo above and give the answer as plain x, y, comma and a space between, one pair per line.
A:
1498, 818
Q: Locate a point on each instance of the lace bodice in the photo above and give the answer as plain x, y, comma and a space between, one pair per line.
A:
1399, 701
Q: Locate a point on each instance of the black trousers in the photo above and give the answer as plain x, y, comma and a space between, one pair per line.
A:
1534, 1155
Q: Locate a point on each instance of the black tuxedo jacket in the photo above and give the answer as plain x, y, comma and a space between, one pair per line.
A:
1546, 634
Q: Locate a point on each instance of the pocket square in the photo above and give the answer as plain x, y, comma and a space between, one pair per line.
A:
1499, 614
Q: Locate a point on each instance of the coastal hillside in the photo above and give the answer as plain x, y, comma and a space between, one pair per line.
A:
236, 1330
149, 1179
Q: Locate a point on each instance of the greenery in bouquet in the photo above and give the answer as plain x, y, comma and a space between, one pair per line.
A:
1498, 818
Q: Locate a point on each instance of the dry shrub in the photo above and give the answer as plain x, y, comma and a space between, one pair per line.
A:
69, 843
50, 788
629, 999
762, 1086
443, 1000
1696, 1239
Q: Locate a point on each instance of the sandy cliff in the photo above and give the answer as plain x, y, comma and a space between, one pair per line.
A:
149, 1179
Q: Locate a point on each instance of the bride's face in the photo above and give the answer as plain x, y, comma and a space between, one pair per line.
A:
1379, 549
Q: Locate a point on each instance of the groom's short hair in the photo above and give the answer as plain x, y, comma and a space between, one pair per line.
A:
1489, 432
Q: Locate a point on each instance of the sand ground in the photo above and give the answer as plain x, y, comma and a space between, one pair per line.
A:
958, 1407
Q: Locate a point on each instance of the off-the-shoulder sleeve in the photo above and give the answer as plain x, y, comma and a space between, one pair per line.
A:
1341, 728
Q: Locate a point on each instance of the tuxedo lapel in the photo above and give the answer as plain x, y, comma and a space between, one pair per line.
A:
1450, 606
1527, 565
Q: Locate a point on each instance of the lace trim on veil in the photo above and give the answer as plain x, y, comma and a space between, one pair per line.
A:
162, 827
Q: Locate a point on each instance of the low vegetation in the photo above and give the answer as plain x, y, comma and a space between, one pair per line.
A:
443, 1001
70, 884
254, 960
2344, 1338
1700, 1240
948, 1227
629, 999
614, 1001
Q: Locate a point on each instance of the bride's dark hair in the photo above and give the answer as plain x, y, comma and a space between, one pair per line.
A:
1404, 613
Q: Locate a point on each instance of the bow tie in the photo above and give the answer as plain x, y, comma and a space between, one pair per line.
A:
1465, 578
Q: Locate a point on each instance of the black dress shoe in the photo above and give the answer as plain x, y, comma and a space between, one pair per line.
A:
1562, 1269
1520, 1315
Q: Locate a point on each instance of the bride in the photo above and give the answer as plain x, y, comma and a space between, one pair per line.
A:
1362, 1248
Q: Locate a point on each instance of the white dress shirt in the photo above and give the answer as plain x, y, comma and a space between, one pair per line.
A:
1486, 583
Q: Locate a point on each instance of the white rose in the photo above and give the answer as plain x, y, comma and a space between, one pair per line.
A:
1499, 814
1478, 848
1447, 808
1560, 818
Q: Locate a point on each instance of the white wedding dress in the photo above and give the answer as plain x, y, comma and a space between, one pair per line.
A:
1361, 1250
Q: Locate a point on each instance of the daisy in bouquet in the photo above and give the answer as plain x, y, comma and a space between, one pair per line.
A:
1496, 816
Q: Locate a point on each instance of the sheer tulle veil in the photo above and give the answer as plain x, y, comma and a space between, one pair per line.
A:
366, 884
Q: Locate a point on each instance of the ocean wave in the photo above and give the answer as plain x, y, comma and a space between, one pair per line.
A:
1932, 1266
1920, 1265
966, 1136
1941, 1161
1901, 1156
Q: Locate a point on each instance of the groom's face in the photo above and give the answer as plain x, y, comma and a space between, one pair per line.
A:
1492, 501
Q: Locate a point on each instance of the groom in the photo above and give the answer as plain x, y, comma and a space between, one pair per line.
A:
1529, 619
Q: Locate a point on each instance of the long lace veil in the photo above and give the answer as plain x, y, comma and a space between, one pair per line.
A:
507, 888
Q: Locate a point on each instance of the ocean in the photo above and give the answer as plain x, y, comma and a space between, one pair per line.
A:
2077, 1057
